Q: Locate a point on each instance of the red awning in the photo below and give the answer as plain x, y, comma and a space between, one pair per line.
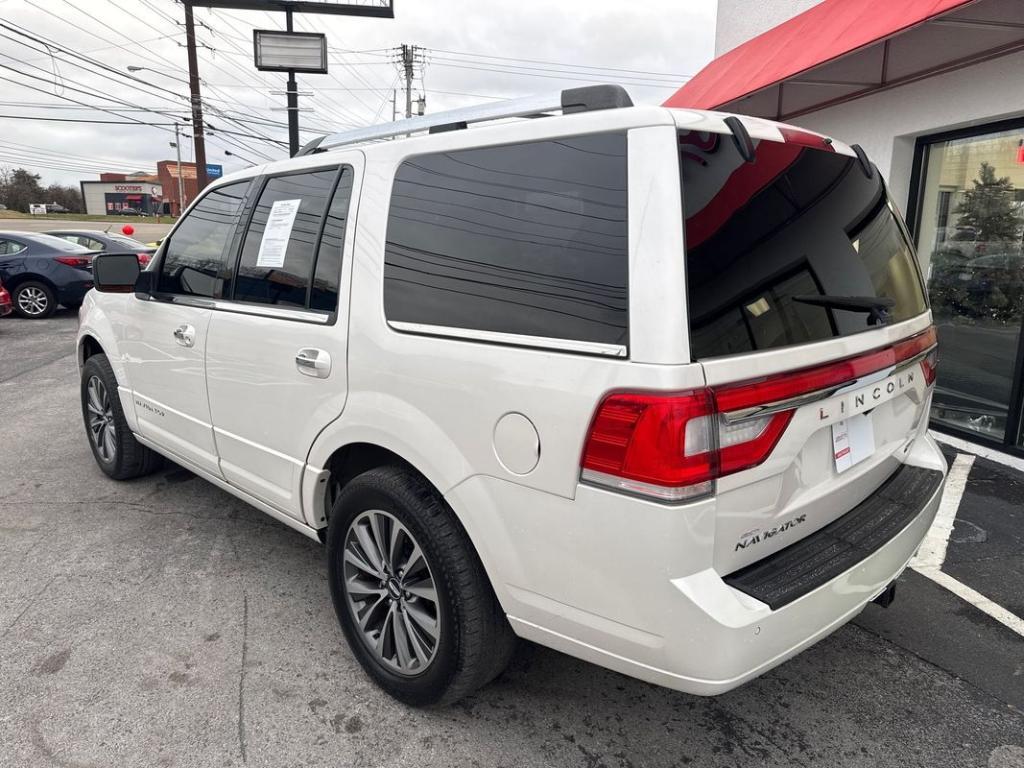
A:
843, 49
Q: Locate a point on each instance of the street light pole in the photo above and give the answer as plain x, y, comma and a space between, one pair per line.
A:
181, 184
293, 99
197, 105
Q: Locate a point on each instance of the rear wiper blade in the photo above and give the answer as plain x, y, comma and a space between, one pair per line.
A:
877, 307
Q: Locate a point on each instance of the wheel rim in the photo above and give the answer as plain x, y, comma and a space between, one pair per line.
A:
391, 593
101, 419
32, 300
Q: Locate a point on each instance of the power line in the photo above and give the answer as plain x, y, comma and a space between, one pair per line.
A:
562, 64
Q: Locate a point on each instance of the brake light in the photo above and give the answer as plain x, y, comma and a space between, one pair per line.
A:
929, 366
673, 446
657, 445
143, 259
78, 262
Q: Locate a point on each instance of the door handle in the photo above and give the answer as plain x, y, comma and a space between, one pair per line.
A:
313, 362
185, 335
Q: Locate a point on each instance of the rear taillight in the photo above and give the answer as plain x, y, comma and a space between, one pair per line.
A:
78, 262
929, 366
143, 259
655, 445
673, 446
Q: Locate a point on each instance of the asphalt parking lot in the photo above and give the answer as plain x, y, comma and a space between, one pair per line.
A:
163, 623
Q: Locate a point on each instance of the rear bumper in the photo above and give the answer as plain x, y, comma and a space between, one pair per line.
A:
73, 291
612, 604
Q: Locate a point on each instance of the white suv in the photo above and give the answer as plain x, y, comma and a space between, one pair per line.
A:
648, 386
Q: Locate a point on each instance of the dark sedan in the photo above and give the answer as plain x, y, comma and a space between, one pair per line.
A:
111, 242
42, 271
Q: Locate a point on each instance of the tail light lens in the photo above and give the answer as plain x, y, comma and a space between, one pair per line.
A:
657, 445
929, 366
79, 262
673, 446
143, 259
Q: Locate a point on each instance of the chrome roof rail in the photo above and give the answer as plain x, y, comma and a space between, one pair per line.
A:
586, 99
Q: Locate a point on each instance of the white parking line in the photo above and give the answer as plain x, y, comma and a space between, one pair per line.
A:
932, 554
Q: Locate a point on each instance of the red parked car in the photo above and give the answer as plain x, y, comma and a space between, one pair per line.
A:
6, 306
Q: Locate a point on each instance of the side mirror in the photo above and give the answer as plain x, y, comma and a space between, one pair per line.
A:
115, 272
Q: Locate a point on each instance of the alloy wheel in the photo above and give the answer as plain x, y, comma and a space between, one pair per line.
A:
32, 300
101, 419
391, 593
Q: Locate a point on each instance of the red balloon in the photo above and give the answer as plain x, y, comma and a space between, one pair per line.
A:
128, 229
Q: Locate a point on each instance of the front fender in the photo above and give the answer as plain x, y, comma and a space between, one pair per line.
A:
95, 321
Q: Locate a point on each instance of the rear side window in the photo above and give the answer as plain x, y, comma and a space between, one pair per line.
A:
774, 246
527, 239
195, 255
276, 265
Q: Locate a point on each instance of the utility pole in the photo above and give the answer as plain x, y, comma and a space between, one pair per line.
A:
181, 184
408, 60
197, 103
293, 99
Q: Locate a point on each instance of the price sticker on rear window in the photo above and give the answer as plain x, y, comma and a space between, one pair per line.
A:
275, 236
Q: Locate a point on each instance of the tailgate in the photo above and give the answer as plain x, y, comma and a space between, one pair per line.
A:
841, 443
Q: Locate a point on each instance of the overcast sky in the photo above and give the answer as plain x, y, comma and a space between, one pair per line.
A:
473, 49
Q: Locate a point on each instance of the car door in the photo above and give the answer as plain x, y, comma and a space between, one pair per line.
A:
164, 337
276, 351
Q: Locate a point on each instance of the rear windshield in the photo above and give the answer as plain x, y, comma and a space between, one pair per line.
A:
776, 248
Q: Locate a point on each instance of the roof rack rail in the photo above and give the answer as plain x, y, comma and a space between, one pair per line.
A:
571, 100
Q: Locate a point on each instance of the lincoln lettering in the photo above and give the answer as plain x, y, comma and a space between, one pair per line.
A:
866, 397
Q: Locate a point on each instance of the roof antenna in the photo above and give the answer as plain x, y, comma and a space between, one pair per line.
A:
744, 144
865, 164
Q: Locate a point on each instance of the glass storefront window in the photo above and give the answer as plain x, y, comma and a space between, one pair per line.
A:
969, 243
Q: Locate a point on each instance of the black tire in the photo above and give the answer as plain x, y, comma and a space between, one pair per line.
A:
475, 641
125, 456
33, 300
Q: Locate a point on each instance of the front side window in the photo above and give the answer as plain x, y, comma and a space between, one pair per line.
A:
195, 256
776, 248
527, 239
276, 265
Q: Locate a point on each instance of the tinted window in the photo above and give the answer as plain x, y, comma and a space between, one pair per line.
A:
770, 246
526, 239
194, 258
277, 260
324, 295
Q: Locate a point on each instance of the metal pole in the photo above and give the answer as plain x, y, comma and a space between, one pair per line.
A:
181, 182
197, 103
293, 101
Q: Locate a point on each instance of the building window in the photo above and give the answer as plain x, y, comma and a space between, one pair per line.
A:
969, 242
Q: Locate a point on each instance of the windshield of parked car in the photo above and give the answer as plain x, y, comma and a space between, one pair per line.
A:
57, 243
791, 248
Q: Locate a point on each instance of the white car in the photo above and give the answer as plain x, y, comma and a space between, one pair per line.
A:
648, 386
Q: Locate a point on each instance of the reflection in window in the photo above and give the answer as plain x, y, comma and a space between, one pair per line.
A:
194, 257
324, 295
969, 238
526, 239
796, 224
